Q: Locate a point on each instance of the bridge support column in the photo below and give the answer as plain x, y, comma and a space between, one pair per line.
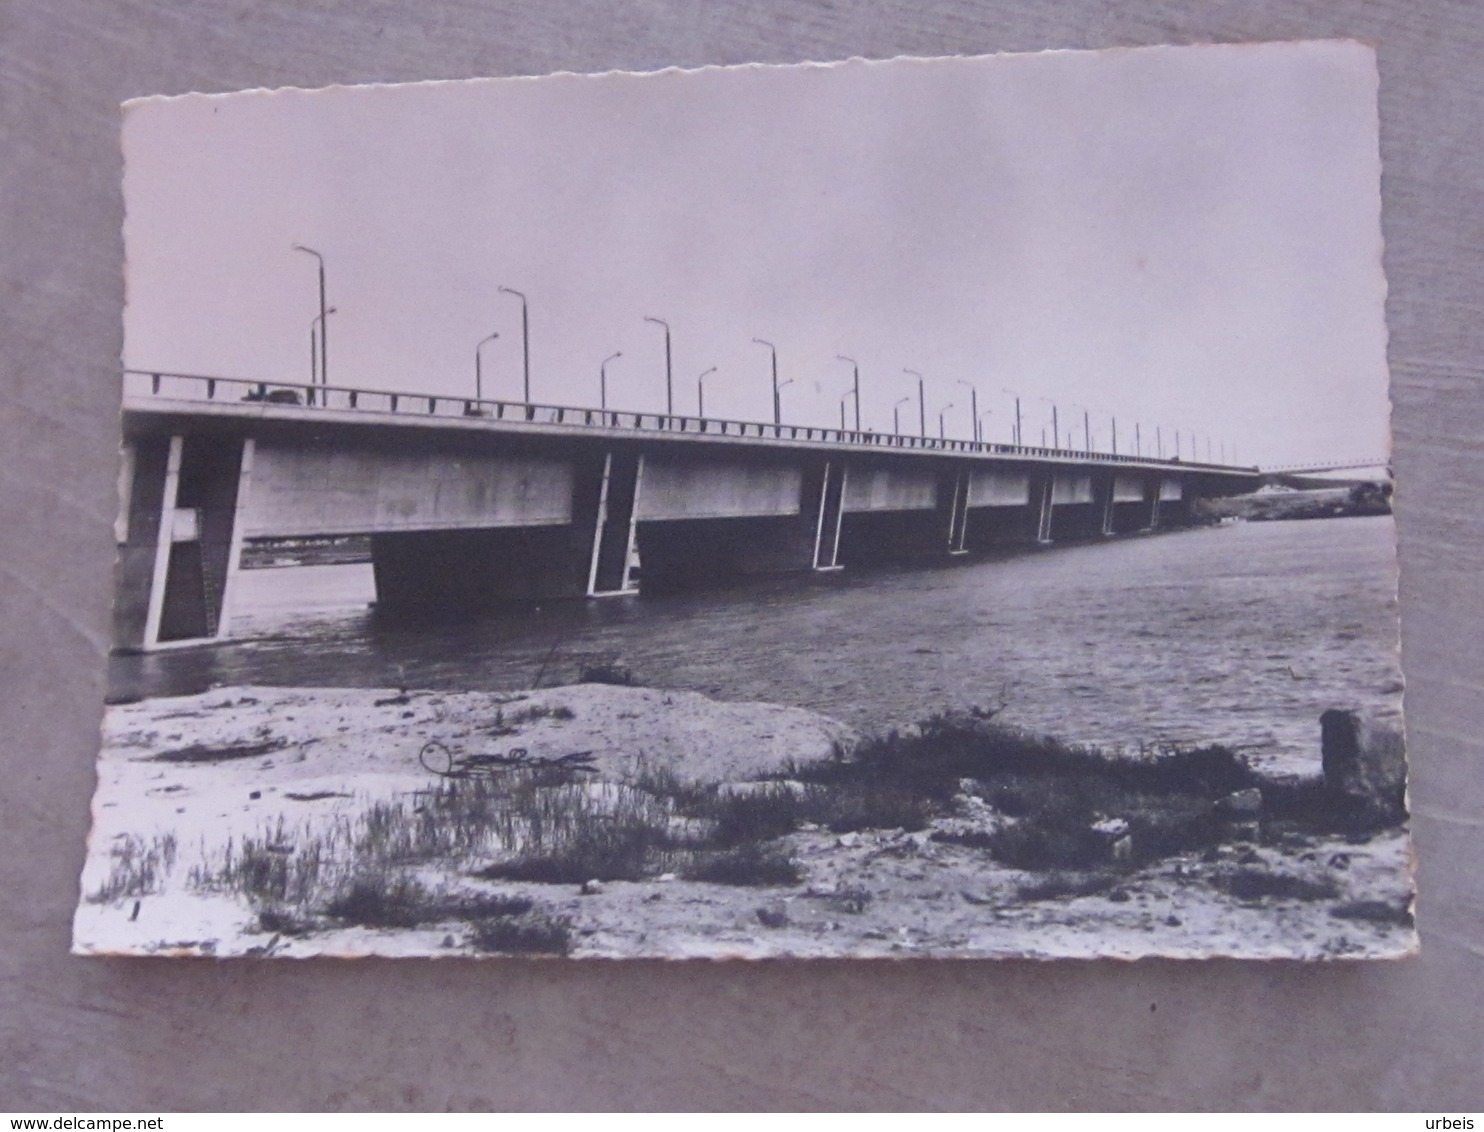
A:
1106, 486
1153, 488
181, 539
461, 571
830, 516
775, 518
958, 513
610, 568
1045, 507
234, 548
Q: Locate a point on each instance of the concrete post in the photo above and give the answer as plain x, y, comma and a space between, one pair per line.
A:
602, 521
958, 515
1043, 525
164, 540
234, 556
628, 561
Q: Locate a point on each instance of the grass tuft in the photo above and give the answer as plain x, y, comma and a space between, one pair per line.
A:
536, 933
1254, 884
1059, 884
1375, 912
605, 672
760, 866
136, 868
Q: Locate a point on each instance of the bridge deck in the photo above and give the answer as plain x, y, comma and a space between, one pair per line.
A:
172, 395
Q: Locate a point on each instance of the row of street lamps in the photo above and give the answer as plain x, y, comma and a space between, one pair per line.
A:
319, 350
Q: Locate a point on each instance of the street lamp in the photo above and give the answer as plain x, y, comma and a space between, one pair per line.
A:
896, 424
525, 339
669, 385
1055, 424
941, 433
701, 392
986, 413
1017, 413
856, 369
324, 330
777, 407
478, 368
921, 401
973, 407
603, 380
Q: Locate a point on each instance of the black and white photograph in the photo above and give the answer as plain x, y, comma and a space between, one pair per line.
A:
911, 508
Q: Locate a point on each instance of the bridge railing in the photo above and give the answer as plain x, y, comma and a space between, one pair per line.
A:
143, 386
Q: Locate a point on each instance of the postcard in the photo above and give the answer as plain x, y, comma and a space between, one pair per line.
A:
925, 507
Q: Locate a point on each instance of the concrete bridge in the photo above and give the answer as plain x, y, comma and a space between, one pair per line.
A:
470, 505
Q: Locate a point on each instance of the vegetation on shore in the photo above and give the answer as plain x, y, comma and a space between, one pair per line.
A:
1077, 818
1368, 498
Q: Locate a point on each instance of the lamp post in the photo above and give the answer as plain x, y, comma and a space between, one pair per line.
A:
701, 392
1159, 443
525, 340
896, 424
1055, 424
986, 413
942, 435
1138, 441
669, 384
478, 366
777, 407
856, 386
921, 402
603, 380
842, 409
1017, 414
324, 310
973, 407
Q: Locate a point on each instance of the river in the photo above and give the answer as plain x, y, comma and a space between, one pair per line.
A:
1240, 634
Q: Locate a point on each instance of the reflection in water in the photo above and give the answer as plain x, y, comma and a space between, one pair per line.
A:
1241, 634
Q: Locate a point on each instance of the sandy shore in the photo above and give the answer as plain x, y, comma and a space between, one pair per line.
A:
313, 756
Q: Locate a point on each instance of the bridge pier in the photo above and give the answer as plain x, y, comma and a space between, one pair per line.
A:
956, 485
448, 572
179, 547
610, 566
830, 515
1044, 505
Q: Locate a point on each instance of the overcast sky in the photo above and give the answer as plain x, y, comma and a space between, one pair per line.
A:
1188, 238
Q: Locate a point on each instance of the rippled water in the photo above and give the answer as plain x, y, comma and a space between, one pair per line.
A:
1241, 634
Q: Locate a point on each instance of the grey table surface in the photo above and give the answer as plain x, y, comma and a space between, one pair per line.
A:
91, 1034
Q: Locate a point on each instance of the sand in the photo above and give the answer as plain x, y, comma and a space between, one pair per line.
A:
310, 756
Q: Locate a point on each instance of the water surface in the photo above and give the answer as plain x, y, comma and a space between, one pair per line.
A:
1241, 634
